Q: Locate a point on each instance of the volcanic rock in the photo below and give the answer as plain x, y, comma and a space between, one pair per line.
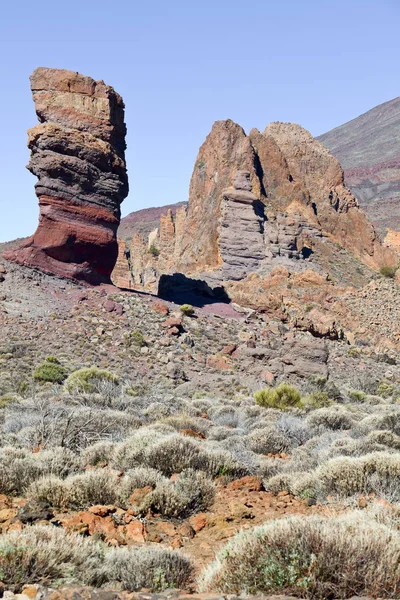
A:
78, 156
257, 203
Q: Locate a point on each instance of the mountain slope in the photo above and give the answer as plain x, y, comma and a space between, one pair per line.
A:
368, 149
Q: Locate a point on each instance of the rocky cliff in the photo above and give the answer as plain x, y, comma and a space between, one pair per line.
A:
369, 151
257, 202
78, 156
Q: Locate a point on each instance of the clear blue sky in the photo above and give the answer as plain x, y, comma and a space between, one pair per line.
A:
181, 65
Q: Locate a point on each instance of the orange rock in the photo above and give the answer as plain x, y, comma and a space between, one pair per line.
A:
219, 362
198, 522
138, 495
249, 483
135, 532
102, 511
161, 308
166, 528
7, 514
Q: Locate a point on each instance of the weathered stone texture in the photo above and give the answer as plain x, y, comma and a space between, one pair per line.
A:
77, 154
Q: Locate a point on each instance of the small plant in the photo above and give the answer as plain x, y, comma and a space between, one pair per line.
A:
187, 310
354, 352
85, 380
200, 164
308, 308
154, 251
388, 271
284, 396
49, 372
318, 400
357, 396
137, 338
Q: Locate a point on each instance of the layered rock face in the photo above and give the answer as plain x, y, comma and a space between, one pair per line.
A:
78, 156
369, 152
256, 203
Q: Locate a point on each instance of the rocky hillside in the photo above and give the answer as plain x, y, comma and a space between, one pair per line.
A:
144, 221
368, 149
260, 202
138, 438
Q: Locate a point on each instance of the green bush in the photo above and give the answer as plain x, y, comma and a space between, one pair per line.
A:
310, 557
388, 271
284, 397
85, 380
187, 310
154, 251
136, 338
49, 372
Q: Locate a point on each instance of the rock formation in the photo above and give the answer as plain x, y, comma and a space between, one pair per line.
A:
78, 156
369, 152
258, 202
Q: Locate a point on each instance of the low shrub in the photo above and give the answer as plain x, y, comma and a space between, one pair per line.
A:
84, 380
313, 557
154, 251
135, 338
97, 486
49, 372
284, 397
48, 555
268, 440
388, 271
146, 567
331, 418
136, 479
50, 490
191, 492
378, 472
187, 310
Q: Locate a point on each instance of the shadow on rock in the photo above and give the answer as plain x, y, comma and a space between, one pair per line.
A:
181, 289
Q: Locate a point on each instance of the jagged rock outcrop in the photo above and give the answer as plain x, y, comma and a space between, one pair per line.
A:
257, 202
368, 150
78, 156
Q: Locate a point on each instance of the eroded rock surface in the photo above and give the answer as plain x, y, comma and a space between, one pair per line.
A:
78, 156
260, 202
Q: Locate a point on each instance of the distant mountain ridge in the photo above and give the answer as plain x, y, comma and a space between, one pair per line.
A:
368, 148
145, 220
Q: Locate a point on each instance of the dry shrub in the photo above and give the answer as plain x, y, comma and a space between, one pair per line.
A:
48, 555
344, 476
191, 492
268, 440
313, 557
154, 568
